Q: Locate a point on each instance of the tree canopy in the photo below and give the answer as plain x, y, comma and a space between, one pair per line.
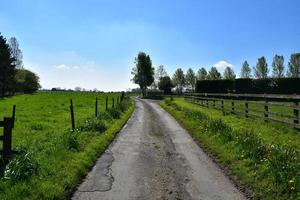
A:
214, 74
190, 78
294, 66
202, 74
143, 72
261, 70
278, 66
246, 70
179, 80
229, 74
165, 84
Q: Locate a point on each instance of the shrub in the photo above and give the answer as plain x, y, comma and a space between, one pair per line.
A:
114, 113
93, 124
72, 142
218, 126
252, 146
283, 163
21, 166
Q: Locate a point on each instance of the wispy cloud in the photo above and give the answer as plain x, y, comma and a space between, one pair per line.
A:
66, 67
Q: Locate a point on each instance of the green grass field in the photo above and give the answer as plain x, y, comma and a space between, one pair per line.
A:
56, 157
263, 156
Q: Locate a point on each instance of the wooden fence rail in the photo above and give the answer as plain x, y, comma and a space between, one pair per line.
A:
255, 105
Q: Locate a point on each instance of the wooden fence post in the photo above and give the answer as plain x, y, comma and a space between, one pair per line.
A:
106, 103
296, 114
266, 111
113, 102
72, 115
246, 109
222, 106
7, 133
96, 107
232, 106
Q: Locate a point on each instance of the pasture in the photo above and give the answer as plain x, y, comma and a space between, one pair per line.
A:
56, 157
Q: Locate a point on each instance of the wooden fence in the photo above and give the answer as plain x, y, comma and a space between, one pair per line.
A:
268, 107
6, 138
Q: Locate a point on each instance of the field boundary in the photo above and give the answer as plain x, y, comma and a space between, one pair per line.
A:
266, 101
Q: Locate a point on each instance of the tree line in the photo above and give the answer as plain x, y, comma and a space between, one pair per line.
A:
145, 74
14, 78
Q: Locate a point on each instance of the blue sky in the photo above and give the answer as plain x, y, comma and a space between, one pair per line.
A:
92, 43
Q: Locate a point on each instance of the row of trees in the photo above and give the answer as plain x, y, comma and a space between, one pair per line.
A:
145, 75
13, 77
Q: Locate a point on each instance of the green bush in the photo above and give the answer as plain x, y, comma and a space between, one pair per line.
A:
284, 166
93, 124
252, 146
114, 113
72, 141
21, 166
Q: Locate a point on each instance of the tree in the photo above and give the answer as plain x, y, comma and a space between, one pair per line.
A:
214, 74
165, 84
190, 78
202, 74
246, 70
294, 66
7, 68
179, 80
229, 74
278, 66
159, 73
261, 70
16, 52
143, 72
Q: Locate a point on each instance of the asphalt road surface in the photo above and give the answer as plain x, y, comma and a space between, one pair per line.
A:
153, 157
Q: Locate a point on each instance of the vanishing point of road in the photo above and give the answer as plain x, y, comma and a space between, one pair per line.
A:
153, 157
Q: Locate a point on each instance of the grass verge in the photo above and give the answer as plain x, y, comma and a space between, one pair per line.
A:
52, 159
263, 156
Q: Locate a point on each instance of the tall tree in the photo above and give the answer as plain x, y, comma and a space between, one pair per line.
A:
190, 78
229, 74
7, 68
261, 70
179, 80
246, 70
202, 74
214, 74
165, 84
16, 52
278, 66
143, 72
294, 66
159, 73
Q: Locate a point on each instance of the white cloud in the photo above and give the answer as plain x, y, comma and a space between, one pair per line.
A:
221, 65
68, 67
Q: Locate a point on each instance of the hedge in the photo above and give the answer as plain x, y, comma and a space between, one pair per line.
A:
257, 86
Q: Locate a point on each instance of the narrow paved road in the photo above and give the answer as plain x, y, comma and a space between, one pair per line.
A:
153, 157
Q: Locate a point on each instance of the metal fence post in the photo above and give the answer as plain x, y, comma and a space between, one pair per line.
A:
266, 110
246, 109
96, 107
72, 115
7, 133
232, 107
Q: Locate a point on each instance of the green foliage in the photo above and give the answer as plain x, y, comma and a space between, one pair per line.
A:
215, 86
202, 74
229, 74
143, 72
245, 71
72, 142
179, 80
214, 74
165, 84
114, 113
93, 124
7, 68
278, 66
191, 79
261, 70
294, 66
26, 81
21, 167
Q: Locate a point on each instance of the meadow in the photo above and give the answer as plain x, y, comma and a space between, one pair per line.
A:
262, 158
52, 159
